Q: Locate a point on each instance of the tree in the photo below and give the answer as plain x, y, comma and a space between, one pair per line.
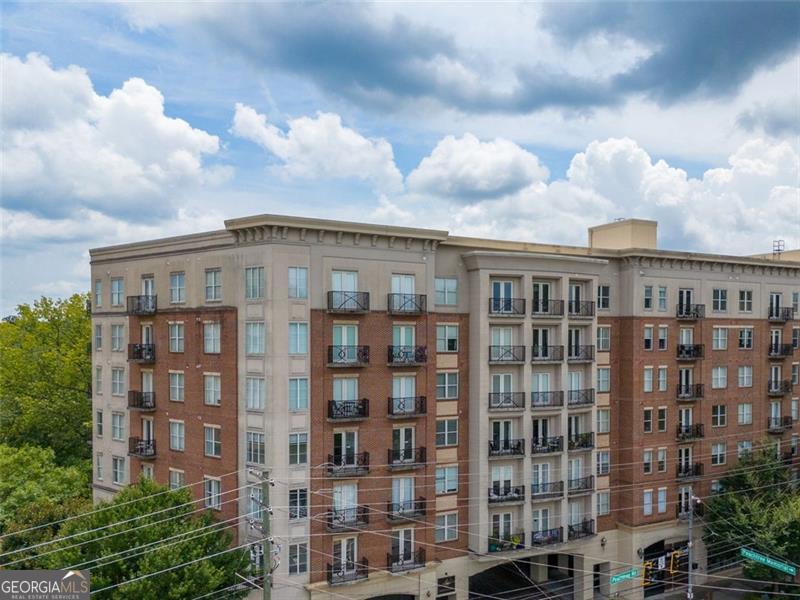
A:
45, 377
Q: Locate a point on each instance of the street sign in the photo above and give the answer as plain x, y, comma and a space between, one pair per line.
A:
769, 562
629, 574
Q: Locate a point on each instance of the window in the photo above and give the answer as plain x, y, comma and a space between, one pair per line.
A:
647, 502
98, 337
298, 393
298, 558
647, 462
298, 504
255, 447
213, 284
661, 460
716, 487
746, 339
796, 302
746, 376
744, 447
298, 282
212, 490
176, 337
719, 339
117, 426
745, 300
718, 453
253, 283
662, 337
98, 380
211, 337
719, 300
176, 387
117, 292
719, 415
648, 338
446, 386
648, 379
256, 502
254, 393
212, 386
603, 420
177, 288
603, 296
298, 338
662, 418
662, 379
446, 588
662, 500
603, 379
648, 297
98, 462
177, 479
447, 338
118, 470
745, 411
603, 462
254, 337
98, 293
603, 503
446, 291
719, 377
298, 448
117, 381
213, 440
662, 298
795, 373
177, 436
647, 421
446, 527
98, 423
117, 337
603, 339
446, 480
446, 432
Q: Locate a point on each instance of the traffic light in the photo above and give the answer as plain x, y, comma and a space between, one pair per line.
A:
649, 567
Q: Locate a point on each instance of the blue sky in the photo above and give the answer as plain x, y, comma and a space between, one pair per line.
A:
524, 121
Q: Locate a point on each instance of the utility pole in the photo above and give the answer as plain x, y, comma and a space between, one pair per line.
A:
689, 590
266, 542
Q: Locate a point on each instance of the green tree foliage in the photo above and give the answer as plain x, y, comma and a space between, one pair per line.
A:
45, 377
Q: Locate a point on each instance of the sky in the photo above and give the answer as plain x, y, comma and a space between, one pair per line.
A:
124, 122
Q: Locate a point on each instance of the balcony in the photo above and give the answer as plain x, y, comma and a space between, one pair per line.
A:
779, 351
776, 387
788, 456
401, 562
407, 304
686, 470
581, 441
507, 307
348, 410
397, 512
544, 400
685, 433
347, 573
682, 511
547, 537
348, 302
581, 530
141, 448
404, 356
547, 308
547, 354
543, 491
348, 356
346, 519
580, 309
578, 398
780, 314
778, 424
504, 355
689, 351
506, 543
143, 401
689, 392
406, 407
507, 448
506, 401
142, 353
506, 494
547, 445
690, 312
583, 485
406, 458
348, 465
580, 354
142, 305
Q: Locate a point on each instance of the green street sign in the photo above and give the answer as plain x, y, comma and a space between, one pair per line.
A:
630, 574
769, 562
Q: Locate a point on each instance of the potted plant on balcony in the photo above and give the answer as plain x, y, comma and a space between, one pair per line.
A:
516, 541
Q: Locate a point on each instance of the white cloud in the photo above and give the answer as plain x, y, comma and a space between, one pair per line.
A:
321, 147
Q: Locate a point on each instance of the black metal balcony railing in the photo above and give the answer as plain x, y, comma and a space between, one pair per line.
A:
778, 424
399, 562
581, 530
547, 353
506, 493
348, 302
547, 445
685, 470
348, 464
547, 399
691, 391
506, 400
581, 441
141, 400
507, 447
777, 387
682, 510
504, 543
407, 304
788, 456
580, 308
689, 351
407, 406
551, 489
690, 312
779, 350
348, 518
580, 397
580, 353
506, 354
142, 305
508, 307
348, 356
548, 308
406, 457
344, 410
407, 355
143, 353
580, 485
347, 573
689, 432
408, 509
141, 448
547, 537
780, 314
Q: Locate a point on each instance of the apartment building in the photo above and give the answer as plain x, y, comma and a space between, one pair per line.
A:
441, 415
